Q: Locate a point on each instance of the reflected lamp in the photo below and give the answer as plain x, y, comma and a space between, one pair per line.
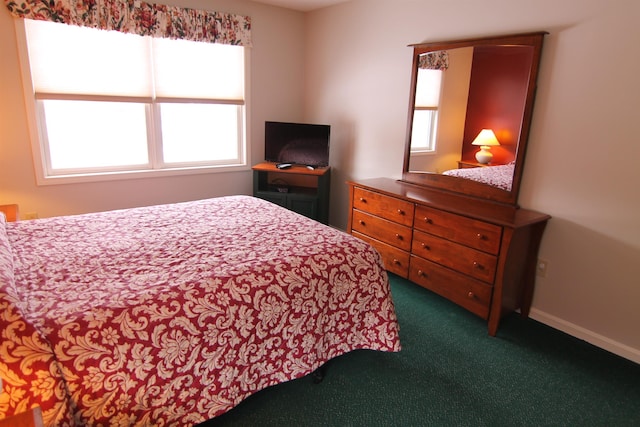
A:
485, 139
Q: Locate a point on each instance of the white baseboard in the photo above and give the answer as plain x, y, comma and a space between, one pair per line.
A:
591, 337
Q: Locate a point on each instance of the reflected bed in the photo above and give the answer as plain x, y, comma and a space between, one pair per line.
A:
497, 176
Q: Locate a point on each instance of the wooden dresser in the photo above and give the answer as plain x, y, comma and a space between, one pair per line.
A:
479, 254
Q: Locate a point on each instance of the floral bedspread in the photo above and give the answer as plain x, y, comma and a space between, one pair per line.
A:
173, 314
497, 176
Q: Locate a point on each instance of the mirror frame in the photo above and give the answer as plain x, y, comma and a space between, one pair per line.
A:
466, 186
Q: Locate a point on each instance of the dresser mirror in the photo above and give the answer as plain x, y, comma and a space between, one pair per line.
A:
461, 91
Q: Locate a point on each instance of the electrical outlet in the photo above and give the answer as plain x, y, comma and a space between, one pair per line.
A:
30, 215
541, 268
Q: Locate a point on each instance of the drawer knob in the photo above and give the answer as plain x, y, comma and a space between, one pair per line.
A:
428, 220
396, 262
422, 273
477, 265
361, 222
471, 295
400, 212
425, 246
398, 236
363, 200
481, 236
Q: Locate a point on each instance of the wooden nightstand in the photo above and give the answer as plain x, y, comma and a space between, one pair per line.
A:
297, 188
463, 164
10, 211
31, 418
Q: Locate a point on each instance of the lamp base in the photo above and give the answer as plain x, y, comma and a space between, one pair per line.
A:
484, 156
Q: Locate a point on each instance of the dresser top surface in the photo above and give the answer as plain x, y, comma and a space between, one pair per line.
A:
488, 211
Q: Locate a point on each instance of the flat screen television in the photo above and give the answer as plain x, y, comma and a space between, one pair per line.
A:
297, 143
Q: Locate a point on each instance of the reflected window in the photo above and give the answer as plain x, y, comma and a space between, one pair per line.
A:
425, 113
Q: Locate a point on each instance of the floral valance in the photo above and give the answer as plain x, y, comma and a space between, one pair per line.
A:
434, 60
139, 17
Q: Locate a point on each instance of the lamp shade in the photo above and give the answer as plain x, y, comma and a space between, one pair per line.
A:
485, 139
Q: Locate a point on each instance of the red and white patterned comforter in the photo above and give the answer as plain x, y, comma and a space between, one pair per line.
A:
497, 176
173, 314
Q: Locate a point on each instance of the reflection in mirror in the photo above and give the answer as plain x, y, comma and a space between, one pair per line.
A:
425, 112
431, 67
459, 89
453, 88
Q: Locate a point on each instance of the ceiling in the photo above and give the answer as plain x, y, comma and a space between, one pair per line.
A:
301, 5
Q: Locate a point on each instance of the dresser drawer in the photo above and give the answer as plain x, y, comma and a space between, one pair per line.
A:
386, 231
395, 260
469, 293
472, 262
470, 232
390, 208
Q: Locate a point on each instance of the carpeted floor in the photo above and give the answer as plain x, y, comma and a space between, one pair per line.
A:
451, 373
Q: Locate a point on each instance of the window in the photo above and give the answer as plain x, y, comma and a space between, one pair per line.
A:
111, 104
425, 113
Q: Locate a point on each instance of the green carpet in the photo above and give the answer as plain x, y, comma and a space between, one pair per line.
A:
451, 373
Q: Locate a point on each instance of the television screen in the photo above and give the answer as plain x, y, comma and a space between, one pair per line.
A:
297, 143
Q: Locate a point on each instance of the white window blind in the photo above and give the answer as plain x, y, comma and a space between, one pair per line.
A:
188, 69
65, 59
428, 88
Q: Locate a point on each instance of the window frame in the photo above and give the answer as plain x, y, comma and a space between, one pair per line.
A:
37, 135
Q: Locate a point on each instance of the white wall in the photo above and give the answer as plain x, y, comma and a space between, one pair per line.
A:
276, 87
583, 153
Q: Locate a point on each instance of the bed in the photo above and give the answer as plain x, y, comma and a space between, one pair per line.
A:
173, 314
500, 176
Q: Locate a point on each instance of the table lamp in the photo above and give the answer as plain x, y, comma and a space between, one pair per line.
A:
485, 139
